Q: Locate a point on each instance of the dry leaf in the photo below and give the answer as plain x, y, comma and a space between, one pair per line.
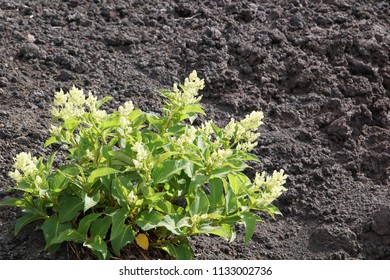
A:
142, 240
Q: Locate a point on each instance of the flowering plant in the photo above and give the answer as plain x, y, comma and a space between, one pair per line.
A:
132, 176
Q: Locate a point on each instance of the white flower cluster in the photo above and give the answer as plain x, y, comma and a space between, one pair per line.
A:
271, 187
72, 105
124, 112
206, 128
218, 158
186, 138
188, 93
26, 164
142, 155
244, 131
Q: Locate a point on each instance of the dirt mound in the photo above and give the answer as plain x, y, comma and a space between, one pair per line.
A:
319, 70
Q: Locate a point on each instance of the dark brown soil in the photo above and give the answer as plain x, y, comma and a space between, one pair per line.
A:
319, 70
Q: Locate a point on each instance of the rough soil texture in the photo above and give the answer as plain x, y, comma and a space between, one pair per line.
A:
319, 70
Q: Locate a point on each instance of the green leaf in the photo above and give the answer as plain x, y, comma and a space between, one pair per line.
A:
119, 192
230, 201
216, 230
118, 219
216, 192
197, 108
201, 204
184, 252
126, 236
235, 183
148, 220
123, 157
98, 247
221, 172
51, 140
249, 220
17, 202
71, 123
69, 207
197, 181
51, 228
164, 206
100, 172
180, 252
165, 171
100, 102
90, 202
57, 182
86, 221
68, 235
101, 226
70, 169
110, 123
170, 222
24, 220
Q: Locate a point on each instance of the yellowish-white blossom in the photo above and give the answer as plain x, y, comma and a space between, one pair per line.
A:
25, 165
55, 130
126, 109
186, 138
187, 93
218, 158
141, 155
270, 186
16, 175
206, 128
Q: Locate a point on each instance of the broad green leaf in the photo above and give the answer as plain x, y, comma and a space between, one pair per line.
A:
69, 207
118, 226
52, 227
100, 102
148, 220
197, 108
68, 235
17, 202
184, 252
100, 172
86, 221
215, 230
164, 206
216, 196
221, 172
111, 122
123, 157
139, 120
98, 247
200, 205
70, 169
119, 192
26, 187
24, 220
230, 201
180, 252
235, 183
126, 236
197, 181
51, 140
165, 171
170, 222
249, 220
90, 202
101, 226
71, 123
57, 182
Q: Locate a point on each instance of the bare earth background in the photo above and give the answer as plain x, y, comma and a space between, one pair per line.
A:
319, 70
